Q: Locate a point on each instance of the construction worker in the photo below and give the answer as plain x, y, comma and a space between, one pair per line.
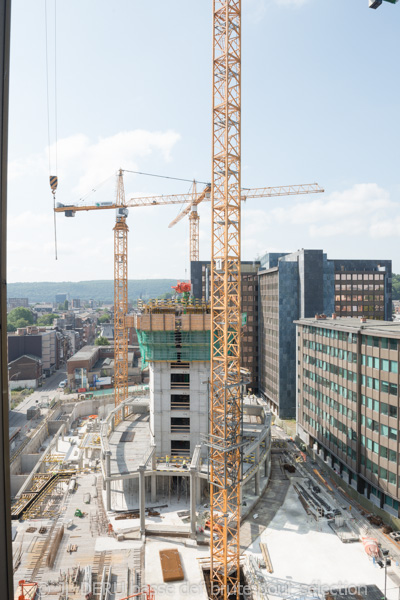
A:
167, 460
184, 464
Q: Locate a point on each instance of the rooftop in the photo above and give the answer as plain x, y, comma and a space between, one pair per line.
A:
84, 353
369, 326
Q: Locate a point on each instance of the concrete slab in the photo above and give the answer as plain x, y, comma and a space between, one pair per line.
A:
104, 544
308, 552
127, 457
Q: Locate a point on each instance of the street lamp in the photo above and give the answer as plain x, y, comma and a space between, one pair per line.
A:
386, 562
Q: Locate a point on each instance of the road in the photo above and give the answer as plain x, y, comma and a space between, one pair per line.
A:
17, 416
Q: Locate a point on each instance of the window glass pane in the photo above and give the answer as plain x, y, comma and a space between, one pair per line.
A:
376, 405
384, 408
393, 455
384, 365
393, 411
383, 451
393, 389
376, 363
393, 344
383, 473
384, 430
394, 366
384, 343
384, 387
392, 433
392, 477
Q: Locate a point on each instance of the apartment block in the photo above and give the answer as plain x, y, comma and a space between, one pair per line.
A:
300, 285
41, 342
17, 302
200, 280
348, 401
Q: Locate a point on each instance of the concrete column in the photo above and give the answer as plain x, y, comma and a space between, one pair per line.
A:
154, 476
108, 482
142, 499
198, 489
113, 424
193, 486
257, 475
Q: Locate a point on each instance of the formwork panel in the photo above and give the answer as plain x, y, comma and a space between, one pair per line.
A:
171, 565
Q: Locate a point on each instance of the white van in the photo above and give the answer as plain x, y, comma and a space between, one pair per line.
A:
62, 384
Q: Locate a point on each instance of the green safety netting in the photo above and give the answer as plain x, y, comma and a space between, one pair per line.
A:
171, 346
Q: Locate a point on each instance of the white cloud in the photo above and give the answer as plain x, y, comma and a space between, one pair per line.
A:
85, 243
89, 163
386, 228
353, 211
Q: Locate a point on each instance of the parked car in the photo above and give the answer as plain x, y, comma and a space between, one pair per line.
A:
62, 384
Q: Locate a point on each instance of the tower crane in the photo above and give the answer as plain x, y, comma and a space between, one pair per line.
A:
225, 438
121, 205
267, 192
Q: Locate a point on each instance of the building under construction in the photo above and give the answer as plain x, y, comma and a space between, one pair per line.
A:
167, 454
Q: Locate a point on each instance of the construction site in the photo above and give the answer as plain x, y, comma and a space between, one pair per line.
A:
187, 488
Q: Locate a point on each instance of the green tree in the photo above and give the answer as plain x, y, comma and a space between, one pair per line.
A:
47, 319
19, 313
20, 323
104, 318
102, 341
11, 327
396, 287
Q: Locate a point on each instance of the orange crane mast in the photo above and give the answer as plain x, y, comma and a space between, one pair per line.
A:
120, 299
225, 382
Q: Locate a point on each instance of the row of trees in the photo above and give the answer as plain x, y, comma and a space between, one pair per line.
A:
22, 317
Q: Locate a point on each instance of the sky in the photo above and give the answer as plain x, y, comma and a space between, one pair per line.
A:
129, 87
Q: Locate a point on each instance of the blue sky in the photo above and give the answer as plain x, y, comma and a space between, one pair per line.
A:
320, 96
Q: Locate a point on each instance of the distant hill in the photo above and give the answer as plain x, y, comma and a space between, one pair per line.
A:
101, 291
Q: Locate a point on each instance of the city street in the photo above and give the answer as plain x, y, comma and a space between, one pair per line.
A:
17, 416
